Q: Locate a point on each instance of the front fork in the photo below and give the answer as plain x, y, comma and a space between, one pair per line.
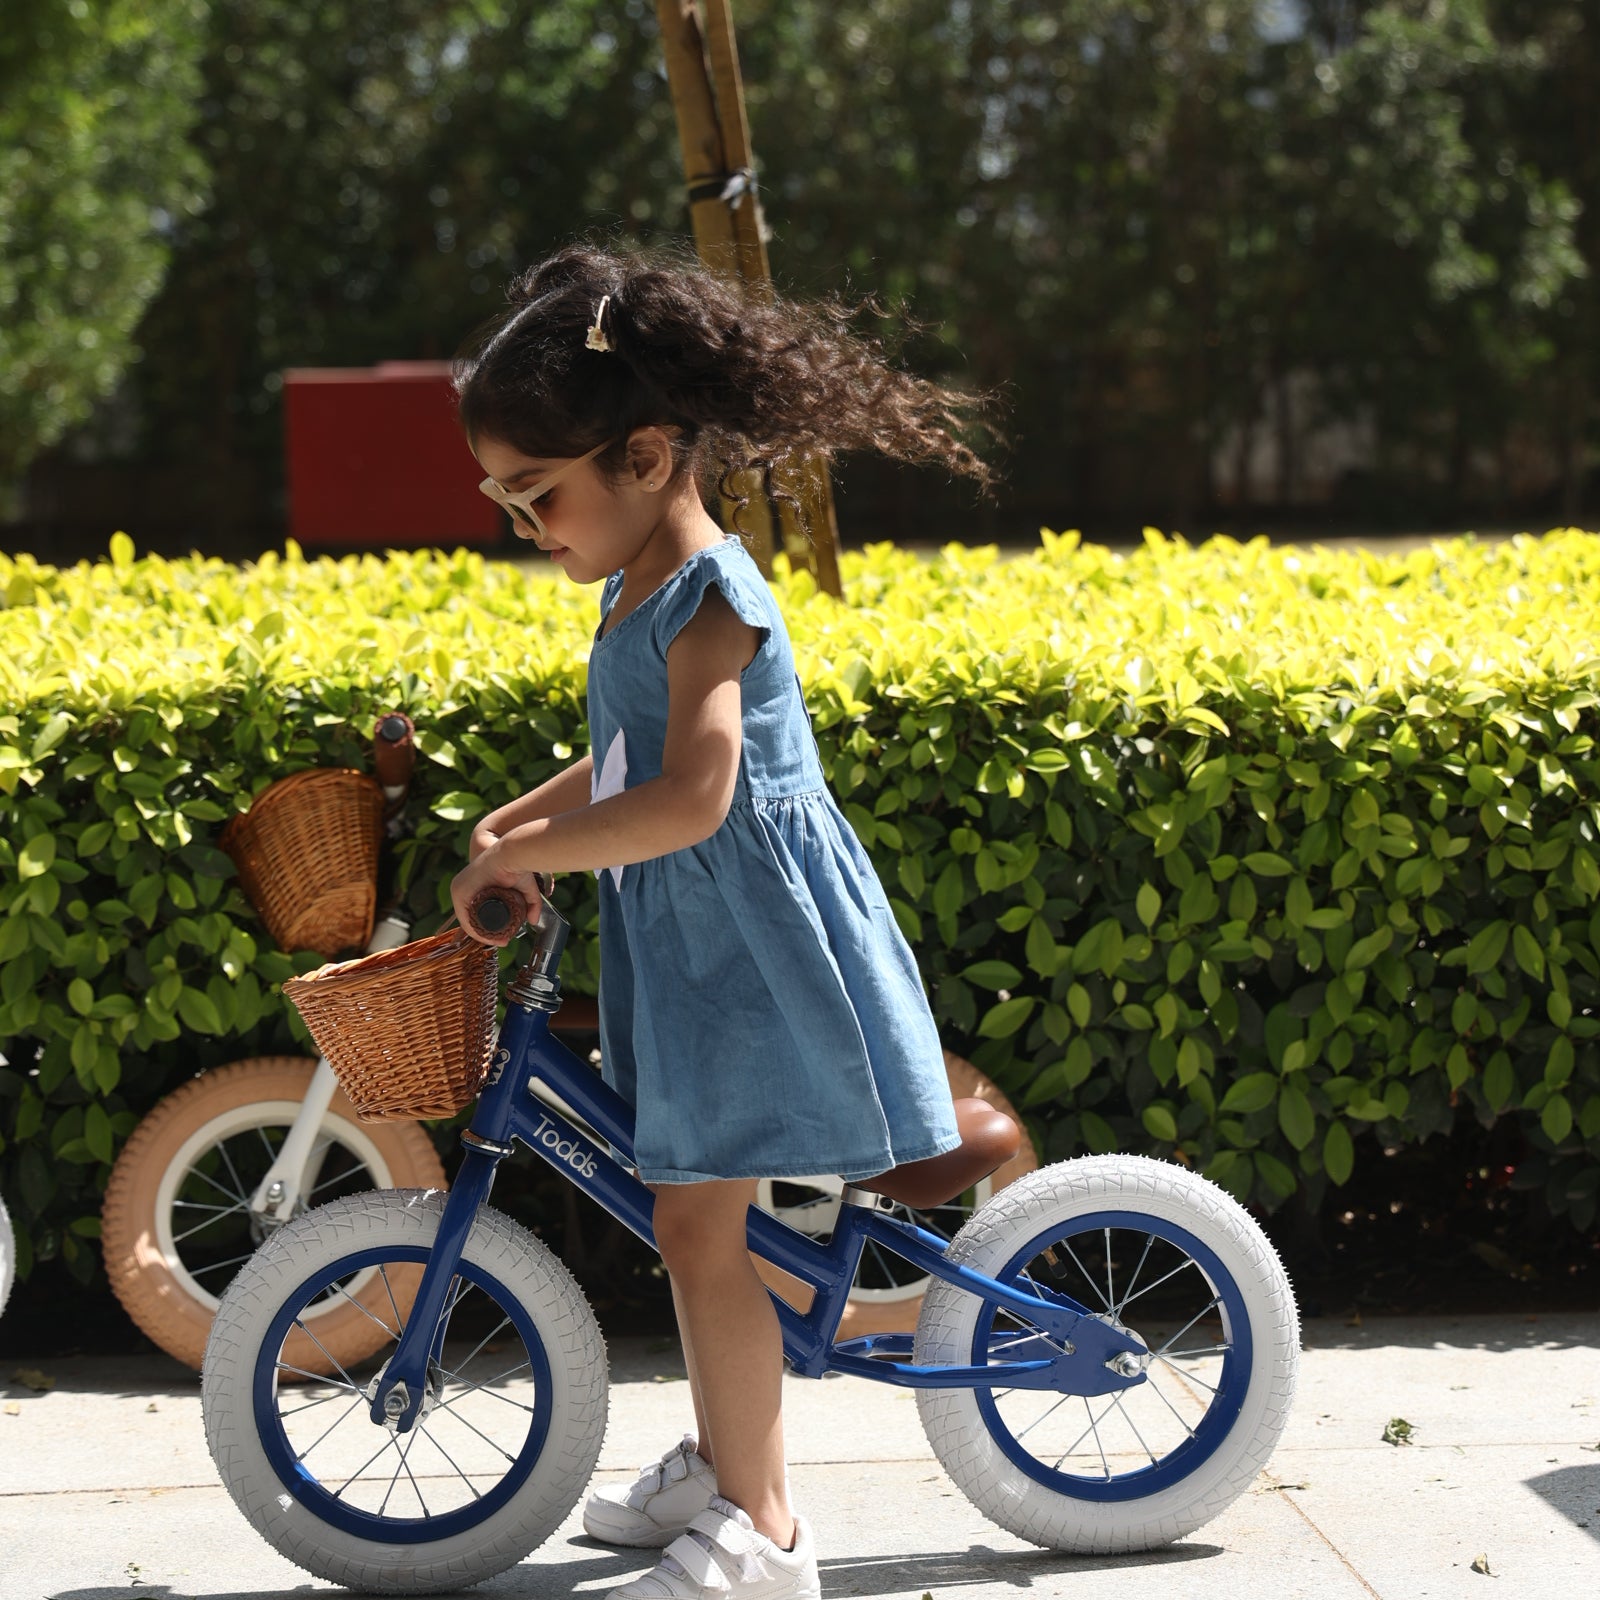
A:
397, 1396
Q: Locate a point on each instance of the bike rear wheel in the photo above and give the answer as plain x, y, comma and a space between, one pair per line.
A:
511, 1422
1158, 1252
176, 1223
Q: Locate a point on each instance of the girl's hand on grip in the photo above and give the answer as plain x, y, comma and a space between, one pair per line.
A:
486, 872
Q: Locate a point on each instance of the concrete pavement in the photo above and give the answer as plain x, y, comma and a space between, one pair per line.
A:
106, 1488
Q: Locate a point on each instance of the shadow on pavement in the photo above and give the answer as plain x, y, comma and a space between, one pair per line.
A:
1575, 1493
591, 1571
1562, 1330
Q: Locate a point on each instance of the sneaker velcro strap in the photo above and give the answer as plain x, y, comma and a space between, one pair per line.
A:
724, 1531
698, 1561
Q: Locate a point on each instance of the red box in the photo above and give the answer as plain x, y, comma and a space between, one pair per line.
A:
375, 457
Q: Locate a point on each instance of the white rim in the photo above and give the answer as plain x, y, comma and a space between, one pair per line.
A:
242, 1119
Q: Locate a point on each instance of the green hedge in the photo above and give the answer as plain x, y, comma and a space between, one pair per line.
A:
1235, 854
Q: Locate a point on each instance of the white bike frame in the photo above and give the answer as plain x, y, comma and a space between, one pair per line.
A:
280, 1190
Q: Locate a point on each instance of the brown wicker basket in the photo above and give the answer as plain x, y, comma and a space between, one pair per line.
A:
307, 854
408, 1032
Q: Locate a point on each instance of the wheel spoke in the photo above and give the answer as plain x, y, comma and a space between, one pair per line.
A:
504, 1322
233, 1172
483, 1388
1094, 1425
383, 1272
1088, 1276
218, 1266
294, 1411
221, 1188
188, 1233
1111, 1294
1149, 1239
1137, 1435
329, 1429
1037, 1420
452, 1460
1187, 1377
1215, 1300
300, 1323
1210, 1350
393, 1333
465, 1423
1188, 1261
1156, 1390
321, 1377
387, 1441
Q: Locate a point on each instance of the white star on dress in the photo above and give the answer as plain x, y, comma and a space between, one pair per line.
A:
610, 779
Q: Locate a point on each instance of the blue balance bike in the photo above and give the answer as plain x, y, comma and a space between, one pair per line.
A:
1104, 1360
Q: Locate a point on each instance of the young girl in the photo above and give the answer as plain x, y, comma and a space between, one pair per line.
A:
758, 1004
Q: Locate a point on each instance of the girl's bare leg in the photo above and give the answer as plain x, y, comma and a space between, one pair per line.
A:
702, 1432
732, 1344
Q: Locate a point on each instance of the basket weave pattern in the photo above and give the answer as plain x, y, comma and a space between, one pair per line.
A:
307, 855
409, 1032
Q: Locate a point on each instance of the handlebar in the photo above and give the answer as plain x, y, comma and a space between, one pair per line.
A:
495, 909
394, 754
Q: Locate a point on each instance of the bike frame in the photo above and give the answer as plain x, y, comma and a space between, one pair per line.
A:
1072, 1353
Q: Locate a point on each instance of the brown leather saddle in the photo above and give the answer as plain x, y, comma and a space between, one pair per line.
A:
989, 1138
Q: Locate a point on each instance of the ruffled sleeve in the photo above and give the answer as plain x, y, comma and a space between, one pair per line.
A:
737, 587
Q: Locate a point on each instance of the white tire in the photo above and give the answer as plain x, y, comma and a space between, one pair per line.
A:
378, 1533
1207, 1415
8, 1255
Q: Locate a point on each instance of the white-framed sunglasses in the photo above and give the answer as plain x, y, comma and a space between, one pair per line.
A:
520, 504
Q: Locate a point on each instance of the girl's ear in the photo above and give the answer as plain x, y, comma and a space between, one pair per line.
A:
650, 456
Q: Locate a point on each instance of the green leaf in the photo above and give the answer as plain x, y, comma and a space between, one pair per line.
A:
197, 1012
1487, 946
1295, 1116
1252, 1092
1365, 951
97, 1131
1338, 1153
992, 974
1147, 903
1530, 956
1160, 1123
1003, 1020
459, 805
1556, 1118
80, 996
37, 856
1266, 865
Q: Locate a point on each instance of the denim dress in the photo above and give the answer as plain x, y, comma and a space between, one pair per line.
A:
759, 1006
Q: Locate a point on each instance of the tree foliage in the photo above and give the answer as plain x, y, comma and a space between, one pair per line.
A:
1147, 220
96, 176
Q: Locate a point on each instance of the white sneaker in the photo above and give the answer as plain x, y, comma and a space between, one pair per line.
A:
658, 1505
722, 1557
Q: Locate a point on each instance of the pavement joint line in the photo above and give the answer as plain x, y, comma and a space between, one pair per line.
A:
1338, 1554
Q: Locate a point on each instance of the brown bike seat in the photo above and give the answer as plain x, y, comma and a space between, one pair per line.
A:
989, 1139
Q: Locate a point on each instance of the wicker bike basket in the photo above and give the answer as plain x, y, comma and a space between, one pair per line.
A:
409, 1032
307, 854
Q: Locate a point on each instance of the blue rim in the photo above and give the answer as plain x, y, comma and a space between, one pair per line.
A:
309, 1491
1220, 1414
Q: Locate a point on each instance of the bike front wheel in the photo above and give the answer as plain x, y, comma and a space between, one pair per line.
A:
1158, 1252
177, 1223
512, 1417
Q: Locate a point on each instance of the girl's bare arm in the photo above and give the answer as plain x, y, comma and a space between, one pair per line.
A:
567, 791
699, 768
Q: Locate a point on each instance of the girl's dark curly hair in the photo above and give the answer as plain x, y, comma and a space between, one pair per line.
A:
752, 380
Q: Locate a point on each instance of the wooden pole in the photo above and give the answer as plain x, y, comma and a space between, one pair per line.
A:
730, 236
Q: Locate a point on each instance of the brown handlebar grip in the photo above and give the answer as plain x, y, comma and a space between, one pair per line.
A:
394, 753
496, 910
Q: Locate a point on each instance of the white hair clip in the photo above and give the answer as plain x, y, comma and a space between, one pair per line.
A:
597, 339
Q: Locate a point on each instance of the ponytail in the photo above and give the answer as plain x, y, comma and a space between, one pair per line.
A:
595, 343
